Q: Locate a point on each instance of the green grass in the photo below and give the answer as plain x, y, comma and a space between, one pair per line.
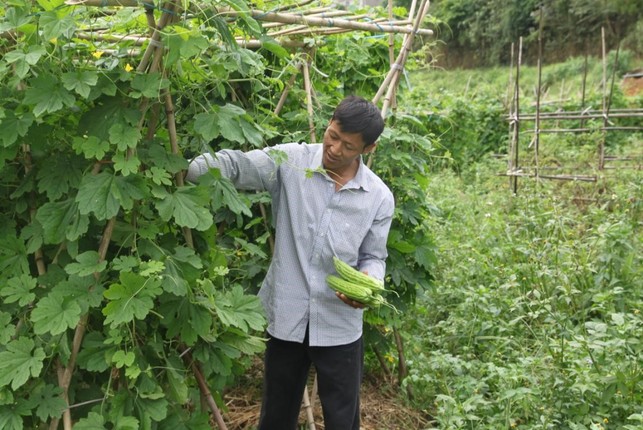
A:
559, 82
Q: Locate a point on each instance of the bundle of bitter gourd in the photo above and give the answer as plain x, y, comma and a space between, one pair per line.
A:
357, 285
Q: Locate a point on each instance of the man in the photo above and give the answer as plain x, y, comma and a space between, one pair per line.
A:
325, 202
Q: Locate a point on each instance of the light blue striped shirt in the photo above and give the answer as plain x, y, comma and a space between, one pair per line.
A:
313, 222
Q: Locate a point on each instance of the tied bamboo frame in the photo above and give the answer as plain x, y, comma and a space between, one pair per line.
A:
514, 170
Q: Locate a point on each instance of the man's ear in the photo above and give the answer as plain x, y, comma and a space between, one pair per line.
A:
369, 148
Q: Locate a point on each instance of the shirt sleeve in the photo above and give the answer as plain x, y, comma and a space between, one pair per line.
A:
372, 252
252, 170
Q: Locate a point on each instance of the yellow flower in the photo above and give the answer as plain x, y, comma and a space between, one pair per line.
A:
605, 420
97, 54
128, 68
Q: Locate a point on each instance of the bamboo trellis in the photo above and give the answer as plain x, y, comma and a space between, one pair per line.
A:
606, 113
281, 26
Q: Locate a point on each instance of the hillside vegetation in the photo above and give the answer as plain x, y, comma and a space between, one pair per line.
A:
533, 318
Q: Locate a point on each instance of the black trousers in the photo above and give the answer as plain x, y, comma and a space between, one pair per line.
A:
339, 376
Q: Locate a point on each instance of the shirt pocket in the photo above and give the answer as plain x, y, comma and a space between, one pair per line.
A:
346, 236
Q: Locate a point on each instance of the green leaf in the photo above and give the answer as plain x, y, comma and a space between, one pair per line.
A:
183, 318
7, 330
128, 189
97, 195
237, 309
93, 421
188, 208
106, 112
15, 18
91, 147
80, 81
402, 246
24, 60
228, 119
20, 361
159, 176
94, 352
251, 133
131, 299
223, 192
12, 127
206, 125
88, 264
18, 289
149, 85
10, 419
123, 359
127, 423
271, 45
54, 26
13, 256
84, 291
125, 263
55, 313
158, 156
48, 401
47, 95
126, 164
58, 175
49, 5
173, 280
251, 24
151, 410
151, 267
123, 136
187, 255
61, 220
251, 248
183, 43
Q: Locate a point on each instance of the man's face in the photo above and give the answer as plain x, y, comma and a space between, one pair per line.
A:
341, 149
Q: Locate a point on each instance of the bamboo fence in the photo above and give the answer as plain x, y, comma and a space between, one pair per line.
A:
608, 124
281, 26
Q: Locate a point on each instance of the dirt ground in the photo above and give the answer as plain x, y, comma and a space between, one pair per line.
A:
382, 407
633, 86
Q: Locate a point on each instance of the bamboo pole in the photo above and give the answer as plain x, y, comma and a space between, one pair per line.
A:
391, 37
305, 29
601, 145
606, 120
401, 58
584, 83
329, 22
578, 178
309, 97
585, 130
538, 91
515, 138
565, 116
509, 101
205, 390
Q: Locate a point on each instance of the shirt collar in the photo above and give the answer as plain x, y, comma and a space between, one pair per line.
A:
359, 181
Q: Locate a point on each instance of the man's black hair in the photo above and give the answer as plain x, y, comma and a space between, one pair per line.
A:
358, 115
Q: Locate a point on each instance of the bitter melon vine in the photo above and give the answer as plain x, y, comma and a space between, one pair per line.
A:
120, 284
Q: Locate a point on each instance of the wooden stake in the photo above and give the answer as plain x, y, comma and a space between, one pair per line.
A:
309, 98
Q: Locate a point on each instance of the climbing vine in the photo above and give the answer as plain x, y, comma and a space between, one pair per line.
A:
127, 295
